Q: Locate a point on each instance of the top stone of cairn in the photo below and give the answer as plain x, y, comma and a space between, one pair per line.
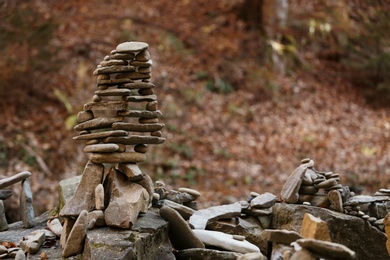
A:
131, 47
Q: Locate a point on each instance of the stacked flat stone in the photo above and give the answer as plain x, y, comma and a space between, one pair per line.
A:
306, 185
117, 125
113, 132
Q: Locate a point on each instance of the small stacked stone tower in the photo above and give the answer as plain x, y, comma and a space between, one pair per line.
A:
117, 125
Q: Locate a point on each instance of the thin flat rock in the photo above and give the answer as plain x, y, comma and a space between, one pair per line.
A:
135, 139
14, 179
290, 190
200, 218
138, 127
97, 123
137, 85
113, 92
101, 135
327, 249
125, 157
109, 105
101, 148
141, 113
131, 47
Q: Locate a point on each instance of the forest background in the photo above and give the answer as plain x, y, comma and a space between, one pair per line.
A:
247, 89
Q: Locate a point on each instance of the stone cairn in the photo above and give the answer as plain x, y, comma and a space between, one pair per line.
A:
117, 125
322, 189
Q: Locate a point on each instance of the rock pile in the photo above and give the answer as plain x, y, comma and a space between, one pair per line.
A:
260, 227
322, 189
112, 209
117, 125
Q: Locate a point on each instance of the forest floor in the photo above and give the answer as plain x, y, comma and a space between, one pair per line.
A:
233, 125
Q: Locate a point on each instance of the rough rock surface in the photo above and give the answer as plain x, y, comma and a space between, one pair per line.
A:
84, 197
147, 239
355, 233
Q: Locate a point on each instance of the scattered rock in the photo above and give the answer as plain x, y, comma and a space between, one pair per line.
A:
262, 201
224, 241
200, 218
184, 211
180, 234
55, 226
33, 243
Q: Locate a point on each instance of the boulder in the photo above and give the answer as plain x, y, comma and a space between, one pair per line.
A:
127, 200
353, 232
147, 239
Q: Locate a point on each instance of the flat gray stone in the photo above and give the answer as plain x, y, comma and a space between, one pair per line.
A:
101, 148
84, 197
180, 234
130, 47
262, 201
184, 211
200, 218
180, 197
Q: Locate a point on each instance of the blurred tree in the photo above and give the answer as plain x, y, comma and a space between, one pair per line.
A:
269, 19
25, 33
